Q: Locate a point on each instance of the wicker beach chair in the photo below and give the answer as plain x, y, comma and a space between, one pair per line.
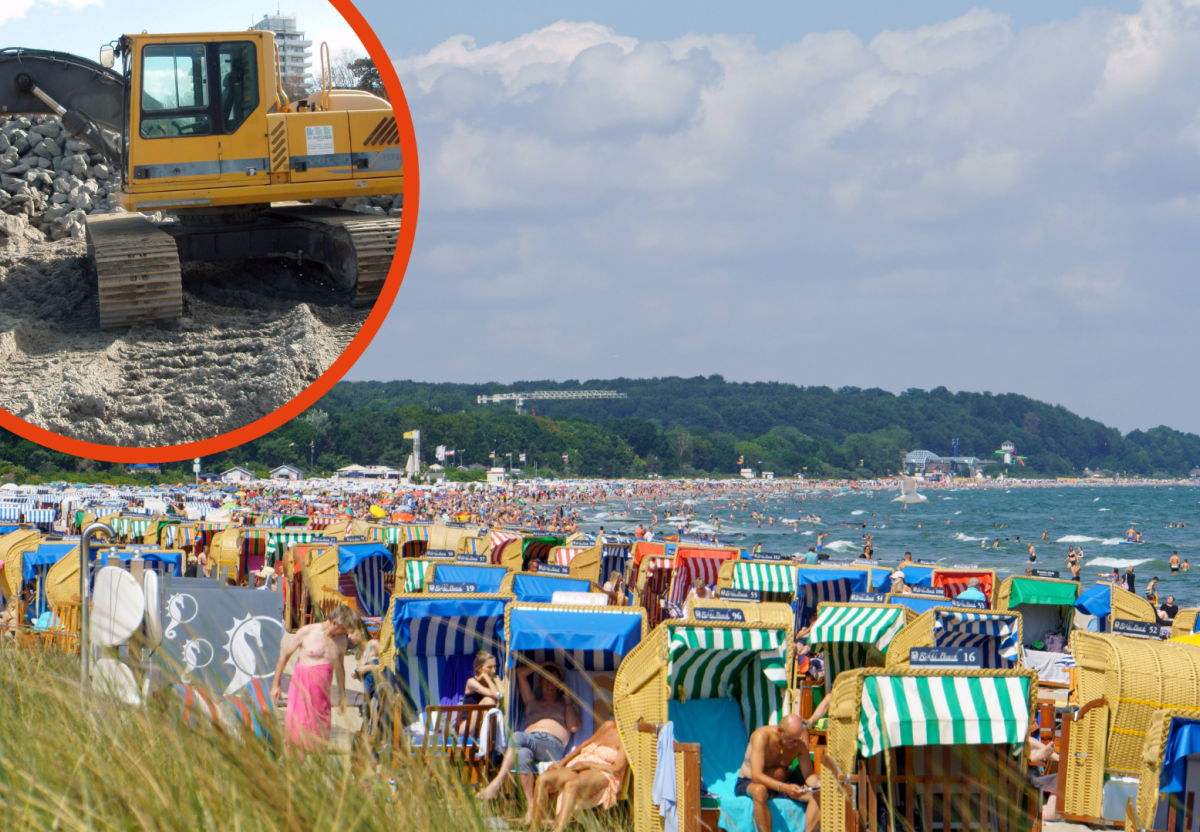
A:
718, 679
1122, 682
894, 761
998, 635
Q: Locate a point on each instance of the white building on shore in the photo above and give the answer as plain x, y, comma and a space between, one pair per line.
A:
295, 52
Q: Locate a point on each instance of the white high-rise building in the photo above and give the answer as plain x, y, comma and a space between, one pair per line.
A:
295, 53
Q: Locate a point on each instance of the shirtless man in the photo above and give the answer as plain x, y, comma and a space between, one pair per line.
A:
1174, 562
549, 724
764, 774
321, 647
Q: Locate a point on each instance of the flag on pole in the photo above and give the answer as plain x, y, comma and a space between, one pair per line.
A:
412, 434
521, 457
564, 457
741, 460
450, 452
492, 455
441, 453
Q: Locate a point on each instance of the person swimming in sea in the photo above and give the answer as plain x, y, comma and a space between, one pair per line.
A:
1174, 562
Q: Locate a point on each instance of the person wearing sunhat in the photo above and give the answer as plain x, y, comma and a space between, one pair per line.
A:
264, 577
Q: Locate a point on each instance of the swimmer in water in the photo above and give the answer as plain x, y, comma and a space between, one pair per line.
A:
1174, 562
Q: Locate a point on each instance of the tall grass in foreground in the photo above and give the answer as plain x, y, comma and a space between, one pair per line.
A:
75, 762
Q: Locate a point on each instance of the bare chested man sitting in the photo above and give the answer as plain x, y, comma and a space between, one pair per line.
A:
766, 773
549, 724
322, 648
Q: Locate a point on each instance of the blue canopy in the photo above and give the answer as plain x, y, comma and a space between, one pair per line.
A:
448, 626
1183, 740
487, 578
173, 559
534, 589
920, 604
47, 554
608, 632
1096, 601
7, 529
350, 556
918, 575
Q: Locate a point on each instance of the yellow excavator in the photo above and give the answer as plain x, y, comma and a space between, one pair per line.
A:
199, 126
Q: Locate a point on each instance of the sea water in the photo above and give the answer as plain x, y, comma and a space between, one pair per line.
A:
951, 527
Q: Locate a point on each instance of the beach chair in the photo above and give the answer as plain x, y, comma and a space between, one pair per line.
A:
540, 589
816, 585
352, 574
774, 582
64, 636
1107, 602
929, 749
428, 642
588, 643
1047, 607
716, 681
956, 581
1170, 776
996, 635
1185, 623
1122, 682
849, 634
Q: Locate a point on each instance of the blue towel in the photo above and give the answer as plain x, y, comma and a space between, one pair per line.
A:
721, 755
663, 794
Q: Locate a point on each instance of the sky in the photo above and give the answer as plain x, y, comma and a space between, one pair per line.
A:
991, 198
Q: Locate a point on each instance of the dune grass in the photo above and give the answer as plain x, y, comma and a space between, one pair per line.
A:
84, 762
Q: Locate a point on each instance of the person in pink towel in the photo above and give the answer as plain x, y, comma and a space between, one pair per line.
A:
322, 648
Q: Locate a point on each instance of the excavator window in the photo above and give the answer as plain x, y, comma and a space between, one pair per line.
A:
238, 64
175, 91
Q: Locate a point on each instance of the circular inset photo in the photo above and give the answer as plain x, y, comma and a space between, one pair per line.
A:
202, 225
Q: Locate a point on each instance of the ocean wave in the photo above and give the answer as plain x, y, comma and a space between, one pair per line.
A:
958, 512
858, 511
810, 531
841, 545
1077, 538
1106, 509
1112, 541
1119, 563
961, 536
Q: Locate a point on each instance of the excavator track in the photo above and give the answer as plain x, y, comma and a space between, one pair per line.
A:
365, 245
137, 270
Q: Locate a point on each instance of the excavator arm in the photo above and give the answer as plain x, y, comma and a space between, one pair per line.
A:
86, 95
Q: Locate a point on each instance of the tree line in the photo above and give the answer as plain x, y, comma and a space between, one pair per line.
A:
671, 427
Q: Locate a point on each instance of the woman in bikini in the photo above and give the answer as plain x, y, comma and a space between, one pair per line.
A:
589, 776
484, 688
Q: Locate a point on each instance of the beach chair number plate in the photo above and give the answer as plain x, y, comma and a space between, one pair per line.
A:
451, 589
472, 558
776, 556
718, 614
752, 595
439, 553
1137, 629
935, 591
966, 566
357, 538
554, 569
945, 657
1044, 573
969, 604
868, 598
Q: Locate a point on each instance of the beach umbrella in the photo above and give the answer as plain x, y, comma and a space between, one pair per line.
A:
376, 511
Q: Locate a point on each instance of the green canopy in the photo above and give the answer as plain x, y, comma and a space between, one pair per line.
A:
1036, 591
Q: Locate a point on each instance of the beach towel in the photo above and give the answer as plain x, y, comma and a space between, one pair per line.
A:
663, 792
309, 707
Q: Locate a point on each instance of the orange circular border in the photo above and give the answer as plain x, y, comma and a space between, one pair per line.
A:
310, 395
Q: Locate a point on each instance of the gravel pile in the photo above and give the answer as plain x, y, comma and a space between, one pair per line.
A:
252, 337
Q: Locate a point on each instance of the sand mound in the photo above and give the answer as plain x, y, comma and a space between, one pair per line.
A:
252, 337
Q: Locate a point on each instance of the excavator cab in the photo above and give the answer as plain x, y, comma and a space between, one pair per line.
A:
207, 133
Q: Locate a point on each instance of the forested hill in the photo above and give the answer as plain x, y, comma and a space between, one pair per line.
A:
717, 414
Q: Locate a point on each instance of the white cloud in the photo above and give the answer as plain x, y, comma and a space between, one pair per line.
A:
14, 9
949, 181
